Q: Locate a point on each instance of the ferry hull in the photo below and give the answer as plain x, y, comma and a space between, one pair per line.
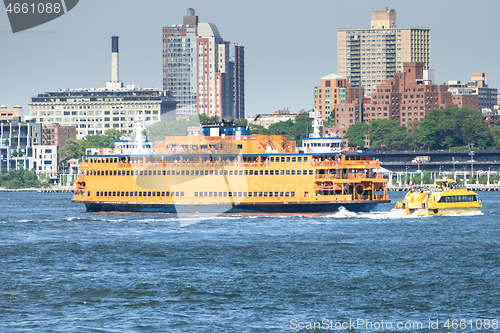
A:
261, 208
442, 211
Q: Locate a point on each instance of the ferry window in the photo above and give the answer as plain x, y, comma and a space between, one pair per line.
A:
282, 159
163, 173
220, 194
182, 172
311, 172
298, 172
176, 194
299, 159
241, 172
260, 194
97, 194
209, 194
282, 172
246, 172
195, 194
250, 194
230, 194
288, 158
206, 172
276, 194
281, 194
215, 194
265, 194
144, 193
292, 194
106, 172
254, 194
117, 194
272, 159
294, 159
230, 172
240, 194
167, 194
250, 172
135, 193
154, 194
293, 172
126, 194
271, 172
106, 160
287, 194
288, 172
305, 159
266, 172
212, 172
162, 194
114, 173
239, 147
141, 173
197, 173
245, 194
192, 172
270, 194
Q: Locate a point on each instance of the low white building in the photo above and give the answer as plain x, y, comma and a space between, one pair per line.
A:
44, 160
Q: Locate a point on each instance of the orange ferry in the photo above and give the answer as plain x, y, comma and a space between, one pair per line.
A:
223, 168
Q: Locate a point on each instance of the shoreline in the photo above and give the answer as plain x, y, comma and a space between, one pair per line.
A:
39, 190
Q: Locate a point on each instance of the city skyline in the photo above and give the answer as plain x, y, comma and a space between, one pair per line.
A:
288, 47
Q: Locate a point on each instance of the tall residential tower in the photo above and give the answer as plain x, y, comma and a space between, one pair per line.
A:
203, 73
369, 56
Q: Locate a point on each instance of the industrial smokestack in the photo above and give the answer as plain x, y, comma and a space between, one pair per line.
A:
115, 80
114, 59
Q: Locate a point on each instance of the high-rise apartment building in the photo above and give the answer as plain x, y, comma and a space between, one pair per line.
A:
203, 73
369, 56
334, 90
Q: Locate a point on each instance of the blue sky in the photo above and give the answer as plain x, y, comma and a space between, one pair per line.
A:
289, 45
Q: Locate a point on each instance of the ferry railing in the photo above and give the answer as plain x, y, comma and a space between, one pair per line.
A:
348, 164
215, 164
349, 176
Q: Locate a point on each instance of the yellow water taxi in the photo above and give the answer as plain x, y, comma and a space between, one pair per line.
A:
446, 197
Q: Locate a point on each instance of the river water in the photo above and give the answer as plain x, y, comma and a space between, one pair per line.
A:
65, 270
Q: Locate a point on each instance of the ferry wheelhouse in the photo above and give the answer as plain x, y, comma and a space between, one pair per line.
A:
223, 168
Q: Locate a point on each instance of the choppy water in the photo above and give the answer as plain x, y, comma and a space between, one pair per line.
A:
64, 270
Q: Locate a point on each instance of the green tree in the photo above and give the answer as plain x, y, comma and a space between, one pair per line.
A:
73, 149
356, 134
241, 122
443, 129
257, 129
387, 134
495, 134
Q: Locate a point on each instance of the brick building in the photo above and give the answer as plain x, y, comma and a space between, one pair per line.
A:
56, 135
